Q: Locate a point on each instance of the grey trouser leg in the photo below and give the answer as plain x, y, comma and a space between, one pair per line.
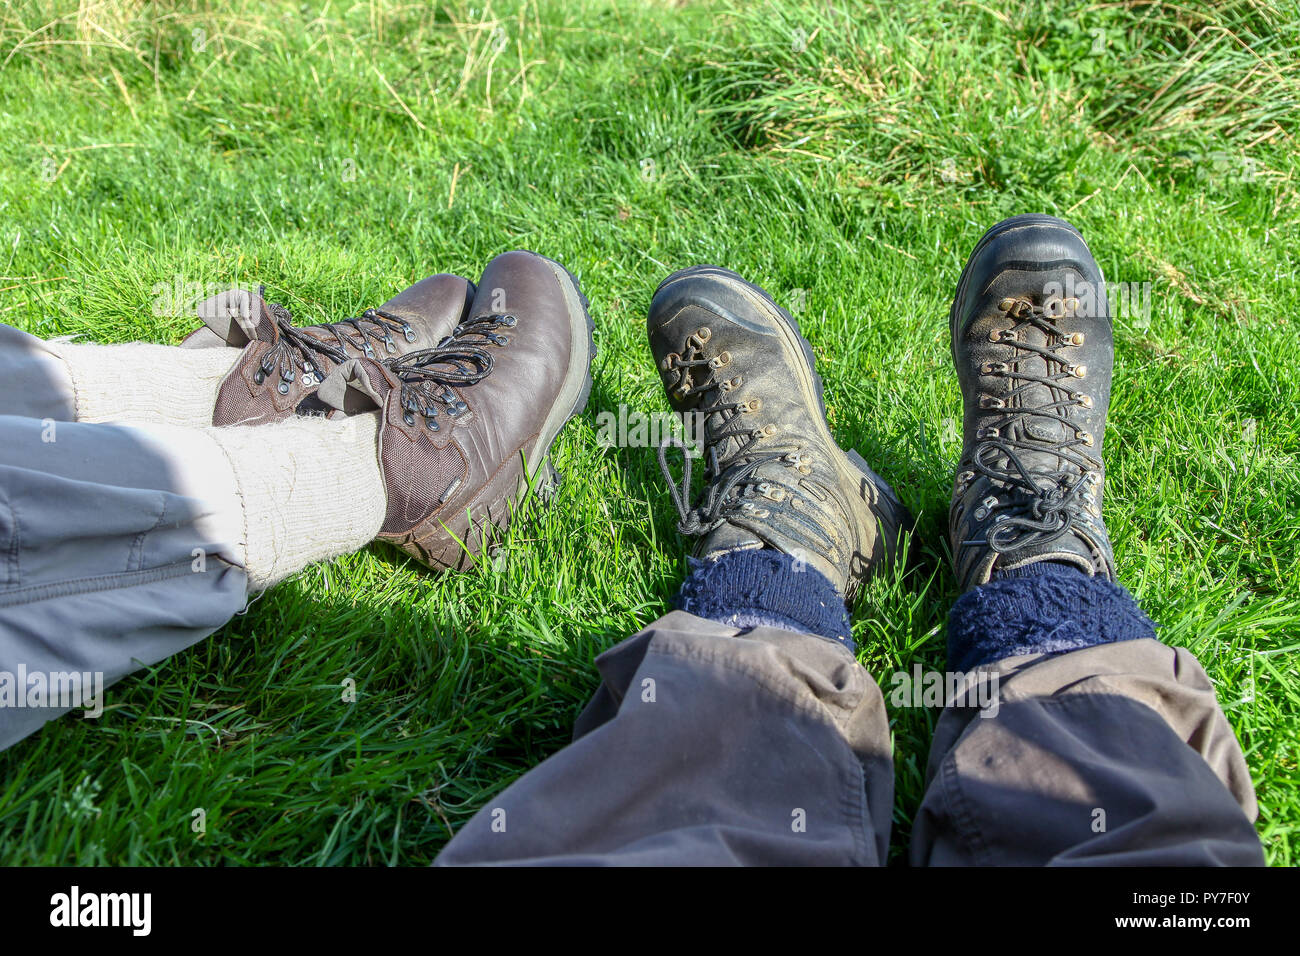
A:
706, 745
34, 382
98, 565
1116, 754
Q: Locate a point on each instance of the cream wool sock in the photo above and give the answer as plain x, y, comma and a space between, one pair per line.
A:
281, 495
140, 381
311, 489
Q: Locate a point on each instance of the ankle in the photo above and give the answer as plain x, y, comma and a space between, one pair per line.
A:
289, 476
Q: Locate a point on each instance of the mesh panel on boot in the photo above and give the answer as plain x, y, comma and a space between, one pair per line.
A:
418, 474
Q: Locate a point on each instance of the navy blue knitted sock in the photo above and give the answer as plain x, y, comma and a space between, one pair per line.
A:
758, 587
1043, 608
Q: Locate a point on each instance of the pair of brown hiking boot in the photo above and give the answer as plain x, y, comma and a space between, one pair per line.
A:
472, 385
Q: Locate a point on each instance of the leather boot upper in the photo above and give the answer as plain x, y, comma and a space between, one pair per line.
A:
774, 477
466, 423
1032, 344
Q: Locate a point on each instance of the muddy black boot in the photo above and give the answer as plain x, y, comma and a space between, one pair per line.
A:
1031, 339
774, 476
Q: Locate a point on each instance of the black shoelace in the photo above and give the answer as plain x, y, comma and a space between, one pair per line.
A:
730, 482
1049, 501
313, 356
724, 488
458, 361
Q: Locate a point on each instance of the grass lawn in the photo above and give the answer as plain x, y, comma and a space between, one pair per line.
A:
845, 156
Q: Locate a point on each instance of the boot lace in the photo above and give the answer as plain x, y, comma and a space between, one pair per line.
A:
299, 351
1047, 501
462, 359
731, 486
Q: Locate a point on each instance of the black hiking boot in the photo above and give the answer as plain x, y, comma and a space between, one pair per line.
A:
1031, 339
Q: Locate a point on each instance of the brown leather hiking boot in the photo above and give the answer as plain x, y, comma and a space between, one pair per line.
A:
774, 477
466, 425
282, 364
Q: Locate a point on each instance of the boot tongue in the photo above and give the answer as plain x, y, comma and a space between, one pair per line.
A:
356, 385
238, 317
1035, 428
731, 536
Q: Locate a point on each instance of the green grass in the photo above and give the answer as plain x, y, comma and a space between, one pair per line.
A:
338, 152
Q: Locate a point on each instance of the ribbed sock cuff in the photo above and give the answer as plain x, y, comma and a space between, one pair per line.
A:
762, 587
311, 489
140, 381
1045, 608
